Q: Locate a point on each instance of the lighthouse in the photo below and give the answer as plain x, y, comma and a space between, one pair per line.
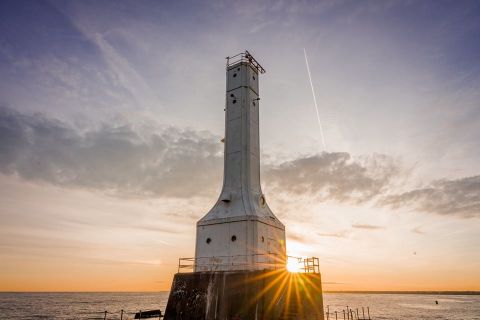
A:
239, 269
240, 232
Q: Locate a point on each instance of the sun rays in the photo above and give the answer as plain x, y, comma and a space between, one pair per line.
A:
297, 291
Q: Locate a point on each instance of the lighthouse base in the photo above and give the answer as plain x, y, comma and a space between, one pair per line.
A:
245, 295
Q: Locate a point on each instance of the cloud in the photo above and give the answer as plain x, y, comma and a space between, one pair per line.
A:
367, 226
171, 162
153, 161
296, 237
418, 230
335, 176
445, 197
339, 234
117, 158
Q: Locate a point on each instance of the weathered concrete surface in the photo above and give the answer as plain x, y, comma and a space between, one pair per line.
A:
245, 295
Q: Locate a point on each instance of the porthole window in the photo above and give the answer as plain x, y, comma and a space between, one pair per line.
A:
234, 75
234, 101
234, 238
209, 240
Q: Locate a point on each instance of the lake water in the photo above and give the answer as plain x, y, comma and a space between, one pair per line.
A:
92, 305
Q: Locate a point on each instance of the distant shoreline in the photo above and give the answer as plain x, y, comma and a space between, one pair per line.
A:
408, 292
326, 291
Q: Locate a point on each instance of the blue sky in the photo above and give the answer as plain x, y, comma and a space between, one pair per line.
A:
119, 106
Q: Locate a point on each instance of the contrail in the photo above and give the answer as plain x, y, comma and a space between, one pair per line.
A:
315, 101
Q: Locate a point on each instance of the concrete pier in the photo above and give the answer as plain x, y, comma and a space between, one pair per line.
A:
265, 295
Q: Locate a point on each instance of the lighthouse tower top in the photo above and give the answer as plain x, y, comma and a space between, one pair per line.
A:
241, 195
240, 225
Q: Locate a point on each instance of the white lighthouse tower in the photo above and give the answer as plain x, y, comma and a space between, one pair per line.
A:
239, 268
240, 232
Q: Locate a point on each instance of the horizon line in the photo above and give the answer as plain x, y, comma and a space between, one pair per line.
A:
443, 292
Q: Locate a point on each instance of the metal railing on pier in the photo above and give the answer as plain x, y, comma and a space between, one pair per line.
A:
124, 315
348, 314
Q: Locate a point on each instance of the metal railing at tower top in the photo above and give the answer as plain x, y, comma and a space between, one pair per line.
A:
311, 265
269, 261
303, 265
244, 57
259, 261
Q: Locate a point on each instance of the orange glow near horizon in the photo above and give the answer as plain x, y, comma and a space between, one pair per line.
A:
66, 277
99, 256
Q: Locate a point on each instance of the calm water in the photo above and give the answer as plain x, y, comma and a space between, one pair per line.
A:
91, 305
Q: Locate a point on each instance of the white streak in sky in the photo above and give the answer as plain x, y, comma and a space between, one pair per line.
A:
315, 101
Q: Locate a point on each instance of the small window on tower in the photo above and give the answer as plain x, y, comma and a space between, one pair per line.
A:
209, 240
234, 238
253, 77
234, 101
234, 75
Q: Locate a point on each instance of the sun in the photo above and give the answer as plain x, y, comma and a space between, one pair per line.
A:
293, 265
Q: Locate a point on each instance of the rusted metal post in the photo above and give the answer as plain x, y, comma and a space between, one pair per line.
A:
357, 313
328, 312
105, 315
140, 315
121, 314
343, 314
363, 312
368, 310
336, 315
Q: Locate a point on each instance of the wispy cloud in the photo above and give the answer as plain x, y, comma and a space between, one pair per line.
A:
296, 237
125, 73
120, 70
114, 158
334, 176
366, 226
459, 197
157, 161
167, 161
338, 234
418, 230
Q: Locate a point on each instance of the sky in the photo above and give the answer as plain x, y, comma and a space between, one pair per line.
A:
111, 116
